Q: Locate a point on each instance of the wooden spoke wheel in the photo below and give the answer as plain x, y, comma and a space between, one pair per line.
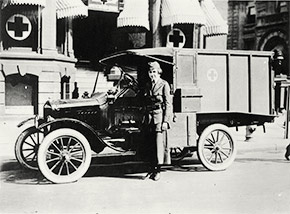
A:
216, 147
26, 147
64, 156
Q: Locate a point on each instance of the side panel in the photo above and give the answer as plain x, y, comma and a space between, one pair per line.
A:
185, 75
187, 96
260, 85
238, 83
211, 79
183, 131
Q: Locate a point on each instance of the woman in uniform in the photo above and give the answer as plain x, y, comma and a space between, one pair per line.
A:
159, 114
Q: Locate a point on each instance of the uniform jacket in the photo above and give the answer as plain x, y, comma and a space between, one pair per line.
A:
159, 95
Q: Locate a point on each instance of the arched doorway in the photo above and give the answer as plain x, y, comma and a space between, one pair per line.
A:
21, 94
278, 44
276, 41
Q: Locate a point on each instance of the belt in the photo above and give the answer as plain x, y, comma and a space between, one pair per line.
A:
153, 107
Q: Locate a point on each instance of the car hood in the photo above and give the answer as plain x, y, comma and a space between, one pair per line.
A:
96, 100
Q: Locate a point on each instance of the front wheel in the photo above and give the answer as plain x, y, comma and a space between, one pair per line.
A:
64, 156
216, 147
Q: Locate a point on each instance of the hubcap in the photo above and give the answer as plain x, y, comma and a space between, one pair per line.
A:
218, 147
65, 155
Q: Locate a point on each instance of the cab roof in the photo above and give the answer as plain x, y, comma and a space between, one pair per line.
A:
135, 57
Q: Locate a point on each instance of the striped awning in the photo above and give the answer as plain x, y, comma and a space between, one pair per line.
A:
70, 8
23, 2
135, 13
181, 12
215, 24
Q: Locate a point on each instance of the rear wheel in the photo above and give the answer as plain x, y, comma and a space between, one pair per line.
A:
26, 147
64, 156
216, 147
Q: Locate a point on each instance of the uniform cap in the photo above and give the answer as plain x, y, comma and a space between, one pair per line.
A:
155, 65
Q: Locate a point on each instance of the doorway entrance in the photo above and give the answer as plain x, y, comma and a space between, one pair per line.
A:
21, 94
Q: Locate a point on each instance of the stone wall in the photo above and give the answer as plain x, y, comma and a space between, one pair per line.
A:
49, 71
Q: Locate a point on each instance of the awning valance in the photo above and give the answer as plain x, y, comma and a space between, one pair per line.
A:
135, 13
215, 24
22, 2
181, 12
70, 8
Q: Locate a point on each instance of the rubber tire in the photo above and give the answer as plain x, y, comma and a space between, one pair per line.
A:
18, 148
207, 131
42, 153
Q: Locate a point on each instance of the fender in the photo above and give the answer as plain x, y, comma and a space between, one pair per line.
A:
80, 123
37, 120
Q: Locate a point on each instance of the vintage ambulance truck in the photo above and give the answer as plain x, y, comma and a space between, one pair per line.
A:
211, 91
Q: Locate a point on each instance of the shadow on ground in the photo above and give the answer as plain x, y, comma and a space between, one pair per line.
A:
12, 172
24, 176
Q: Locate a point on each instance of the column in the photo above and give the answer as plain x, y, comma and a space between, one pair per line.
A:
1, 42
196, 36
49, 28
69, 38
154, 16
2, 91
288, 72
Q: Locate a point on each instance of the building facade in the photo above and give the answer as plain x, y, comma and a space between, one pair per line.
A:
50, 47
260, 25
37, 60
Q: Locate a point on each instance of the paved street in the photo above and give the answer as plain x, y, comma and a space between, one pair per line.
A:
257, 182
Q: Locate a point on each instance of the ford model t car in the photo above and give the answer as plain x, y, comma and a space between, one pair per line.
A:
211, 91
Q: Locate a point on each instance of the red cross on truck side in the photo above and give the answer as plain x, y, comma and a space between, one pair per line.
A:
212, 75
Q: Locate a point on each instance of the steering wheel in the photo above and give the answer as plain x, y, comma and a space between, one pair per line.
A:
131, 80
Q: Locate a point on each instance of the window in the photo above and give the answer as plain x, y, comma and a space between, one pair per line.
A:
65, 89
251, 16
281, 6
60, 35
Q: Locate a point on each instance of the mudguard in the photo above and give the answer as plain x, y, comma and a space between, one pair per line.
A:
92, 135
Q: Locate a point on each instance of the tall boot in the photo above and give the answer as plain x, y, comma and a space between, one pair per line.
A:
156, 174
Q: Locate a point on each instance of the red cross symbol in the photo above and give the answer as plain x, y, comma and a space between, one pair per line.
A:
18, 27
212, 75
175, 38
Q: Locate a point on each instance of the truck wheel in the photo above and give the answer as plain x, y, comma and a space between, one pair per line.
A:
216, 147
26, 147
64, 156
